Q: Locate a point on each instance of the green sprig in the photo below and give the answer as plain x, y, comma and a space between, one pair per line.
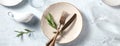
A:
21, 33
51, 21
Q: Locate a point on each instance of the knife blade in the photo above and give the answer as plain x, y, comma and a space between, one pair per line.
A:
69, 22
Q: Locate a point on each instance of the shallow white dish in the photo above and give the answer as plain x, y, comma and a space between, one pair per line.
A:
72, 32
112, 2
10, 2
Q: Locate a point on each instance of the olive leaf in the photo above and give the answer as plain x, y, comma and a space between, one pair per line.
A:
21, 33
28, 30
51, 21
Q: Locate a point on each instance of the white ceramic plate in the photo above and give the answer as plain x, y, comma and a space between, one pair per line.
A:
10, 2
72, 32
112, 2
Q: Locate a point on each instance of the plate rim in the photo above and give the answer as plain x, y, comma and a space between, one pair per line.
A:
75, 8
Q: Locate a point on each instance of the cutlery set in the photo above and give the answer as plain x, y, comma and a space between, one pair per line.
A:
60, 30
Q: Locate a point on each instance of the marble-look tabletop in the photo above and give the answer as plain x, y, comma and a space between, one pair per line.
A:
100, 24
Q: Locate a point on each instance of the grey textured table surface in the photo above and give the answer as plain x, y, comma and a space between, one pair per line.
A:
91, 34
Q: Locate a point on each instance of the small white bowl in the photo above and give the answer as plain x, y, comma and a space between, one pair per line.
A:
10, 2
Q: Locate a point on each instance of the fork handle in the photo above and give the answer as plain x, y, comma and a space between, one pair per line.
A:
52, 41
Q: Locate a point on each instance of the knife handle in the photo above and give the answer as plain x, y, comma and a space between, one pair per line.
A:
52, 41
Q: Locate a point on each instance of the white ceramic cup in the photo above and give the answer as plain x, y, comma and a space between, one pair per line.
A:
21, 17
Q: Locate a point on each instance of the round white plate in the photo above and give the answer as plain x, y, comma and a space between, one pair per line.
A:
10, 2
72, 32
112, 2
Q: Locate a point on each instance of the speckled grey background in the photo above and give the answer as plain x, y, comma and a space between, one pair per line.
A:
91, 35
